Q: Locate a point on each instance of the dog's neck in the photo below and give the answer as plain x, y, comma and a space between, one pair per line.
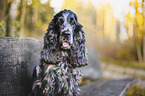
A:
64, 55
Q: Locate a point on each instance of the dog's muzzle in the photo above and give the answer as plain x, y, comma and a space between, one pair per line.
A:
66, 36
67, 39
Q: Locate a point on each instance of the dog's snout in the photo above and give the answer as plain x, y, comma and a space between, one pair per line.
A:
66, 33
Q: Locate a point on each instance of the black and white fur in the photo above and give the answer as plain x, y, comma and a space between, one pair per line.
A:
63, 52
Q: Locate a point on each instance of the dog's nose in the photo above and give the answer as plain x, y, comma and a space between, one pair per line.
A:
66, 32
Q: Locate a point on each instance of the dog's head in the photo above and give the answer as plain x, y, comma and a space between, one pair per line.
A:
66, 24
65, 34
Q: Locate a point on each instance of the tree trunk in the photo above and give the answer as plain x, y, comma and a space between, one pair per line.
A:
3, 7
144, 48
22, 16
143, 7
35, 12
10, 28
138, 47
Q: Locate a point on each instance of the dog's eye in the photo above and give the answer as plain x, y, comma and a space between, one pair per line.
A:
72, 21
60, 21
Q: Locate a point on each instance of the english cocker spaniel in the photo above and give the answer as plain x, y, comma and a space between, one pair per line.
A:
63, 52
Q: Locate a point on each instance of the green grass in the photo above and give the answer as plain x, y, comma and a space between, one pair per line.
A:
136, 91
129, 64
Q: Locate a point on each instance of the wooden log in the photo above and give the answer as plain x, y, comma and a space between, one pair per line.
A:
18, 56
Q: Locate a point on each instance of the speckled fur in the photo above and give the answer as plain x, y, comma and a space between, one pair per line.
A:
57, 75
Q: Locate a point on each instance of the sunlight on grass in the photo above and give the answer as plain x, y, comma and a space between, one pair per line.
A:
129, 64
136, 91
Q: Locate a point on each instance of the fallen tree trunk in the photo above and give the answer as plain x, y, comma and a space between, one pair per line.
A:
18, 57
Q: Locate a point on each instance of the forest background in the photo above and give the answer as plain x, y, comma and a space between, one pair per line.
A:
114, 27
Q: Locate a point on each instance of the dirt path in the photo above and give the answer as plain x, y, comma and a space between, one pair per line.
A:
118, 72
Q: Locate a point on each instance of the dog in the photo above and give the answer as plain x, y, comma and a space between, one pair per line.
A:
64, 51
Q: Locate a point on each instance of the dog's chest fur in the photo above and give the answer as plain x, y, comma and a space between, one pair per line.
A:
57, 80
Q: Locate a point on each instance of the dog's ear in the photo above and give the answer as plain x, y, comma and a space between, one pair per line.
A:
79, 51
50, 53
78, 27
51, 36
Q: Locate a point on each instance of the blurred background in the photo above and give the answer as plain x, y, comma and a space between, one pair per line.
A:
114, 28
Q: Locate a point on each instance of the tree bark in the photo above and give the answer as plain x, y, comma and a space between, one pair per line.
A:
138, 41
10, 28
3, 7
143, 7
22, 16
138, 47
144, 48
35, 12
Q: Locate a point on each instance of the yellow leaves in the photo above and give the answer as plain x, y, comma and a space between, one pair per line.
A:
16, 23
70, 5
129, 17
2, 23
139, 27
131, 3
9, 1
139, 19
137, 4
136, 91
